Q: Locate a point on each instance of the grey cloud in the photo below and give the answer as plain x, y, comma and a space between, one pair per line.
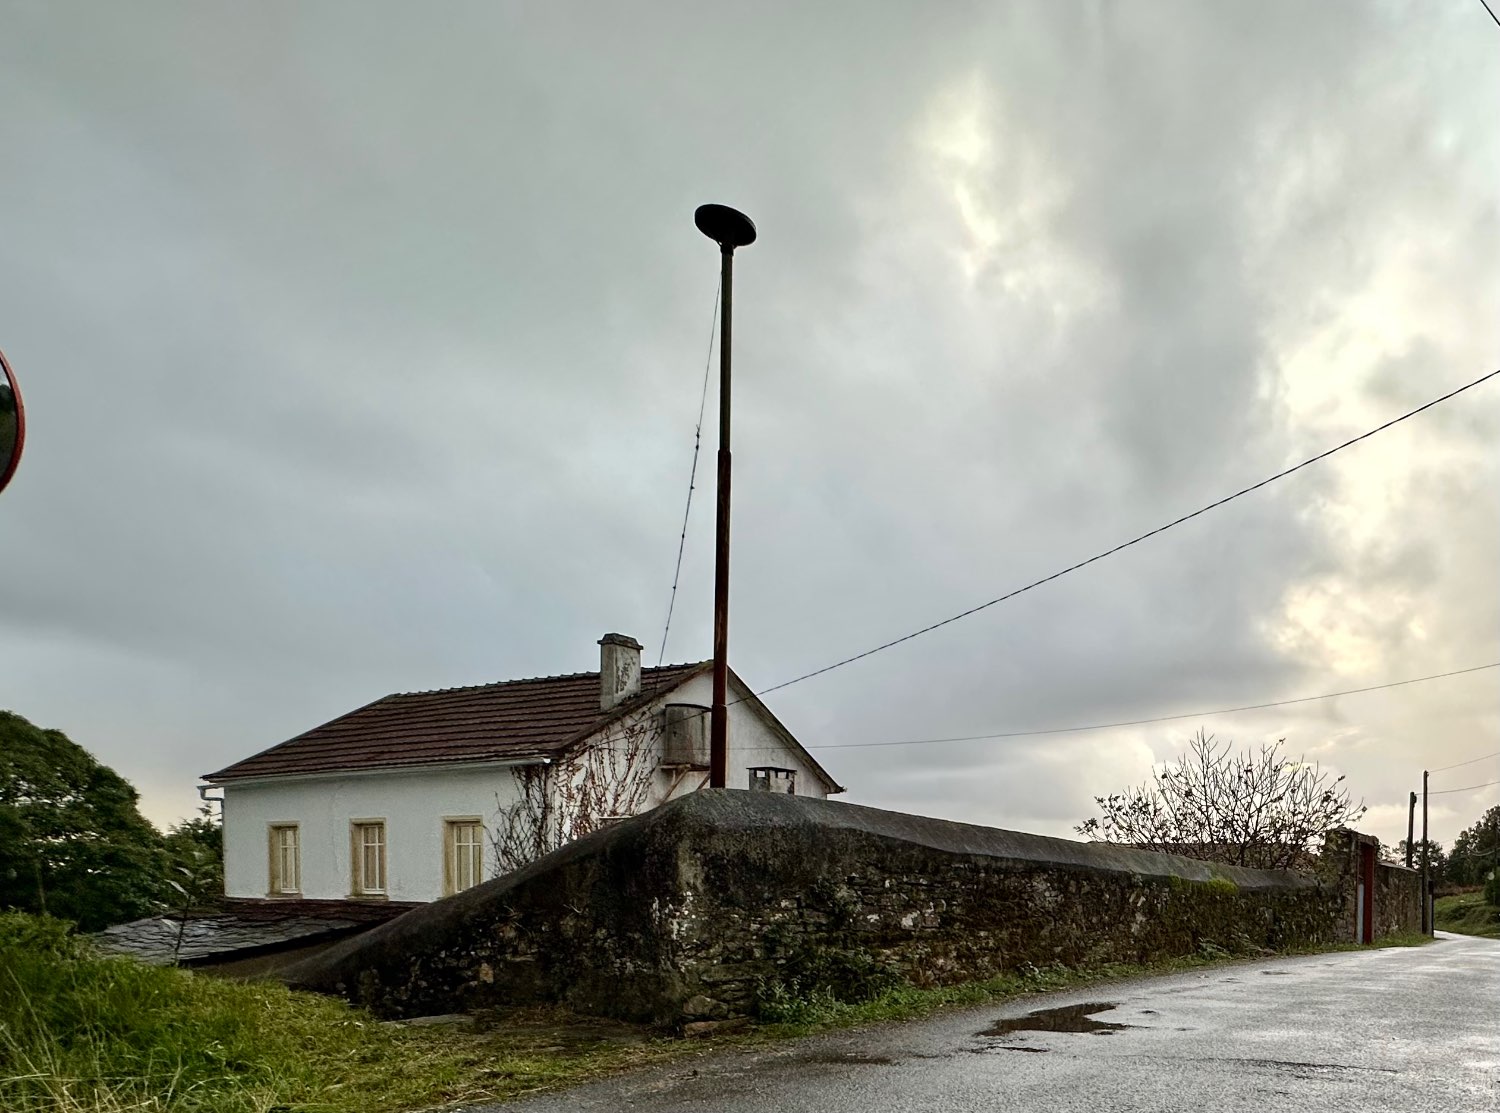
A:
363, 347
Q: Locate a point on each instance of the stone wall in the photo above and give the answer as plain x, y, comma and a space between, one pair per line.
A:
1398, 901
688, 909
1398, 890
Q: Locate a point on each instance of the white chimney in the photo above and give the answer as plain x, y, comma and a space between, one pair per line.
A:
619, 670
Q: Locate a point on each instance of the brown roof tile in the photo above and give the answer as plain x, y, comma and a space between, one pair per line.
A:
509, 721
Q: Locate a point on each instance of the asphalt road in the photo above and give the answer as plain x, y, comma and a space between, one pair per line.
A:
1405, 1030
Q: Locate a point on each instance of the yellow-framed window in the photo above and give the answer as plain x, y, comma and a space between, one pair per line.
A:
284, 841
367, 857
463, 853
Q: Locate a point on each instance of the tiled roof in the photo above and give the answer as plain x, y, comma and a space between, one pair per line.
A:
510, 721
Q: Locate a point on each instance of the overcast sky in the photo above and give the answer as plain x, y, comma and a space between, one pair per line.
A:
362, 344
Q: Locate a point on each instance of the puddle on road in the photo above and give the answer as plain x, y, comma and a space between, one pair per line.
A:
1067, 1018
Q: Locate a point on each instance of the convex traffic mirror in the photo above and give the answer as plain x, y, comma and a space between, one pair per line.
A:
12, 423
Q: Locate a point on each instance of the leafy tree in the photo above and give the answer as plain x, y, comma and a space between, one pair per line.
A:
195, 873
1437, 861
197, 841
1256, 808
1476, 851
72, 842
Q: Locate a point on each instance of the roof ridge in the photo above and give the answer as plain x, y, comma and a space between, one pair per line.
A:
646, 670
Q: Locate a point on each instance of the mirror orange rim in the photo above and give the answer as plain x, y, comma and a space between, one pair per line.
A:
8, 467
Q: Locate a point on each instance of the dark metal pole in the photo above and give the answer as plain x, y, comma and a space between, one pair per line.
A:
730, 229
1426, 899
718, 724
1411, 819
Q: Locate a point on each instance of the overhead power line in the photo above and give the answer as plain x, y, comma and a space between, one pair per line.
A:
1133, 541
1461, 764
1491, 11
692, 474
1159, 718
1470, 788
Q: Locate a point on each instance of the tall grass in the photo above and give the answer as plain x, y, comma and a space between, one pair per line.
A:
84, 1033
79, 1031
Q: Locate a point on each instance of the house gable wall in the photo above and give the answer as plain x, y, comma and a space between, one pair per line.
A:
752, 741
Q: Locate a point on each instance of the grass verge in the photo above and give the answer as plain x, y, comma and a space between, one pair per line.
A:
1467, 914
83, 1033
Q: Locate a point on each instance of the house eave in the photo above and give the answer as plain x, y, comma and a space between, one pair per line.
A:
220, 780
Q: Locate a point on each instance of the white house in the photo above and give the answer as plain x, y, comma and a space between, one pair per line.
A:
419, 795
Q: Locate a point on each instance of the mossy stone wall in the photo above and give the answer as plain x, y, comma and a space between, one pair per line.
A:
686, 910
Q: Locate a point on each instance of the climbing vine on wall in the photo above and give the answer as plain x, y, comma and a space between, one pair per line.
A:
578, 794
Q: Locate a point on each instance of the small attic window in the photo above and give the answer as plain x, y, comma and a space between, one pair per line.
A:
769, 778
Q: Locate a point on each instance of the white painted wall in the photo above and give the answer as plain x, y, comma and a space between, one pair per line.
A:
414, 802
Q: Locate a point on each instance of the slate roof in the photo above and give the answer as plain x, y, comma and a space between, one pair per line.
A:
244, 928
513, 720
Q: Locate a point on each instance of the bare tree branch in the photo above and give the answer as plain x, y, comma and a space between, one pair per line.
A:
1258, 809
577, 794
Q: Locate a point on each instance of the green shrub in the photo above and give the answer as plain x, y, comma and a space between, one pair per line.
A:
1210, 950
776, 1003
811, 982
38, 936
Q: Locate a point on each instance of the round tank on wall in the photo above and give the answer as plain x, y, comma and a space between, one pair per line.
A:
685, 735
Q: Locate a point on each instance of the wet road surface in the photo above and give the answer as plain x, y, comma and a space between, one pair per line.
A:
1402, 1030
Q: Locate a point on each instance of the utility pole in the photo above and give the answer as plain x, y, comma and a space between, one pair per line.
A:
1426, 882
729, 228
1411, 819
